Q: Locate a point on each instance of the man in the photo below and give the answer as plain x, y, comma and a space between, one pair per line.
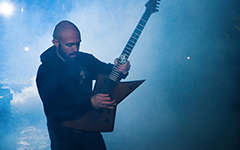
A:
64, 82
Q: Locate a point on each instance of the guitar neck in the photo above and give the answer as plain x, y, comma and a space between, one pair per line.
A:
114, 75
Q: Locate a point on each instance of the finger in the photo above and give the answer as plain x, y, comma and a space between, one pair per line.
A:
103, 95
116, 61
124, 71
107, 98
125, 65
103, 100
109, 103
110, 106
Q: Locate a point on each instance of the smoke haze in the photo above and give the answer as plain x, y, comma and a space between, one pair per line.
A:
188, 99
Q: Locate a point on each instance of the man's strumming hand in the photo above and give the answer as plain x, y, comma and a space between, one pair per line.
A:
103, 101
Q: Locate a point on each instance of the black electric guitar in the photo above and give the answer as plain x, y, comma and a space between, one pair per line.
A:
103, 120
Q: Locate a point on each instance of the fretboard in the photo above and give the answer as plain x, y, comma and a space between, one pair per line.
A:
114, 75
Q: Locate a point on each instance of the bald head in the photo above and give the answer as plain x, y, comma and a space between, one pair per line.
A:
66, 39
64, 27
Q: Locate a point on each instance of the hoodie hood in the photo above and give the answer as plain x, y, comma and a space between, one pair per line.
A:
50, 57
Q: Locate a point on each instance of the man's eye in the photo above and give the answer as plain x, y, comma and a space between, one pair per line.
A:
69, 45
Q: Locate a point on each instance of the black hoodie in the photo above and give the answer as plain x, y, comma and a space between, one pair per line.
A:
65, 86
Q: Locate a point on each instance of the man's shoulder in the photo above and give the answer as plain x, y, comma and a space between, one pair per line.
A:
47, 54
44, 69
85, 55
49, 58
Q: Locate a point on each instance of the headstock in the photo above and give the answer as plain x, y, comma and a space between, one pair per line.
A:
152, 6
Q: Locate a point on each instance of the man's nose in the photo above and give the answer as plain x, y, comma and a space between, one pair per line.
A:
75, 48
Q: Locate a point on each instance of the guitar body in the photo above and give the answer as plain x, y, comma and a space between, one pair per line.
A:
103, 120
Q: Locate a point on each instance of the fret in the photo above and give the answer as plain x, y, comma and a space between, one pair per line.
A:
141, 25
138, 29
130, 45
143, 20
134, 38
115, 74
132, 41
137, 34
128, 48
127, 52
113, 79
115, 70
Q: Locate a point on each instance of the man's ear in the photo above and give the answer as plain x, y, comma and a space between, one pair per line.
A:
55, 42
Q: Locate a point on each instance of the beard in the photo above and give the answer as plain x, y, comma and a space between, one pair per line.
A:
67, 58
